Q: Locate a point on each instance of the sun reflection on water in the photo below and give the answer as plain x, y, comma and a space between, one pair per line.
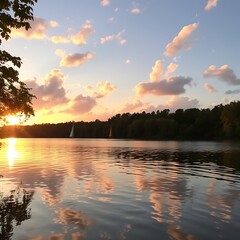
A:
12, 154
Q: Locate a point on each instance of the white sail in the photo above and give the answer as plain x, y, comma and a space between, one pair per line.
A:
71, 135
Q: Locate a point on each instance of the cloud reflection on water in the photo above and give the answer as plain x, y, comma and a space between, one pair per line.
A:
79, 185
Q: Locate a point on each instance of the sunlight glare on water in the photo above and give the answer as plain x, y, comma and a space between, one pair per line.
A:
12, 154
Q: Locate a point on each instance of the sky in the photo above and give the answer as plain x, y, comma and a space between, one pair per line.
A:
92, 59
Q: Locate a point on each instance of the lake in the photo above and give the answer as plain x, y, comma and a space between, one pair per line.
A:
114, 189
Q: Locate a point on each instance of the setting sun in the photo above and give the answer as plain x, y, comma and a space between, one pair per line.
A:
13, 120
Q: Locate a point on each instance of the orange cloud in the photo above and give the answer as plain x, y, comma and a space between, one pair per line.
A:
103, 89
105, 2
60, 39
77, 59
54, 24
71, 216
181, 41
224, 73
81, 37
78, 39
38, 30
136, 10
211, 4
209, 88
171, 68
157, 71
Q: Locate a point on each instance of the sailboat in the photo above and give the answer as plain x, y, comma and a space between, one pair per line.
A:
71, 135
110, 132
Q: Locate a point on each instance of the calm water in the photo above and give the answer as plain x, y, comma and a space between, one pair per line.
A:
108, 189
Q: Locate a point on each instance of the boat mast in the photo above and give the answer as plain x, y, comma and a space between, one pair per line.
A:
110, 132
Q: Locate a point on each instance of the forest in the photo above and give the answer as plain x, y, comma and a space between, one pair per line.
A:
219, 123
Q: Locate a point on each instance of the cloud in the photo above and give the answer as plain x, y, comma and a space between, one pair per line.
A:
135, 106
157, 71
161, 87
177, 102
78, 39
117, 36
77, 59
136, 10
81, 104
181, 41
224, 73
38, 30
209, 88
174, 103
171, 68
81, 37
51, 93
105, 2
60, 39
60, 52
172, 86
211, 4
237, 91
103, 89
54, 24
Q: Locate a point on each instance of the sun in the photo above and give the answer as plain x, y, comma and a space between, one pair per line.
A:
13, 120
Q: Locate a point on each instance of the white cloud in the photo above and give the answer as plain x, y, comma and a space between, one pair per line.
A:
224, 73
181, 41
211, 4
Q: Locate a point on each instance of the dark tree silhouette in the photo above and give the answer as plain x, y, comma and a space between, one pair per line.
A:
15, 97
14, 209
221, 122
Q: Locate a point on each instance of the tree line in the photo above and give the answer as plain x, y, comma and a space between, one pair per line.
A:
221, 122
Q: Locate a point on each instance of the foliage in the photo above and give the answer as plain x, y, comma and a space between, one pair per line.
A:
15, 97
14, 209
221, 122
